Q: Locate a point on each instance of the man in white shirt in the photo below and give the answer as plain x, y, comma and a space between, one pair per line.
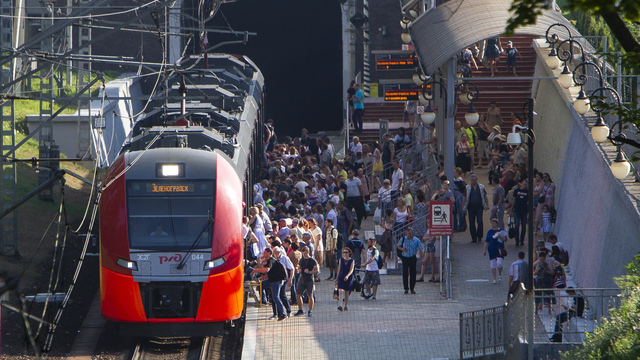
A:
396, 178
355, 147
371, 273
331, 212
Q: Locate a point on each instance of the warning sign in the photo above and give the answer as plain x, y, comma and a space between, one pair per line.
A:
440, 221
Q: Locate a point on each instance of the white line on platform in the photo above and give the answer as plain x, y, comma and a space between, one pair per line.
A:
478, 280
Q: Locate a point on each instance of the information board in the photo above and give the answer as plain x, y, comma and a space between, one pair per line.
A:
396, 61
402, 92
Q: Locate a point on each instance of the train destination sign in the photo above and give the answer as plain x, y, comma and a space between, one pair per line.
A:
402, 92
396, 61
169, 188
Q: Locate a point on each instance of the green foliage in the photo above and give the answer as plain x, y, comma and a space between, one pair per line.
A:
525, 12
617, 337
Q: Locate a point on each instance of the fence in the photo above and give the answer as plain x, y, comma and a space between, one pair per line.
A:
492, 331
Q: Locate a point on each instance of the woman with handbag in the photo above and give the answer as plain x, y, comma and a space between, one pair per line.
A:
494, 244
344, 279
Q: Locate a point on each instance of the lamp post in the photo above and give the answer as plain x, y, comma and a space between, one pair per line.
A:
425, 98
515, 139
580, 78
467, 97
552, 59
564, 55
600, 132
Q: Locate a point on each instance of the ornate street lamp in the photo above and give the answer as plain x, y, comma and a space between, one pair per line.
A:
552, 58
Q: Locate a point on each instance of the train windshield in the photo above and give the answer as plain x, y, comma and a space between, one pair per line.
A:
170, 215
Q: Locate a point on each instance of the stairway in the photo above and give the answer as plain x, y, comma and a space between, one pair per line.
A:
375, 110
508, 91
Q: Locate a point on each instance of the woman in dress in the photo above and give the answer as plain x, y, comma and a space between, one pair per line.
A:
492, 53
377, 164
493, 244
462, 154
345, 278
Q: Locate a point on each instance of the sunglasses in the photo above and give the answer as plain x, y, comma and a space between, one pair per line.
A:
345, 252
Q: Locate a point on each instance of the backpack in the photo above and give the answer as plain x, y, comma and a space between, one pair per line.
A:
340, 241
379, 260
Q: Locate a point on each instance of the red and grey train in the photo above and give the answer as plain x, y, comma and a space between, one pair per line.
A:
171, 249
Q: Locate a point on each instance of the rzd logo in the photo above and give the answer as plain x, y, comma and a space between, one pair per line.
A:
174, 258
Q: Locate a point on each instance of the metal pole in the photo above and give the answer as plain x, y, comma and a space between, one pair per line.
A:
530, 293
448, 142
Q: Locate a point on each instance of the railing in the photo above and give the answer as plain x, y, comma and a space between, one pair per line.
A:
496, 330
572, 327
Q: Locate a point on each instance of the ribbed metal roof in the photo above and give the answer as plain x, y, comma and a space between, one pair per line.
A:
440, 34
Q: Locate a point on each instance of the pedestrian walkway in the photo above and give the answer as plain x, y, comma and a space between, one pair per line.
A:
422, 326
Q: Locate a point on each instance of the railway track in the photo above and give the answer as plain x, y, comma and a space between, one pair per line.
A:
224, 346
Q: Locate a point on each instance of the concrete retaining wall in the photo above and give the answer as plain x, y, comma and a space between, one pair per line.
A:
597, 221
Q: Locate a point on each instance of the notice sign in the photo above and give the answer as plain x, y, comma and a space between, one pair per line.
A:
440, 221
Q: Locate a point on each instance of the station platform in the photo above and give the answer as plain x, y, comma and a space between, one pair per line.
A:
421, 326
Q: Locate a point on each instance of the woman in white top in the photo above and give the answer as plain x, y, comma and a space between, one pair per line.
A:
316, 235
401, 214
257, 226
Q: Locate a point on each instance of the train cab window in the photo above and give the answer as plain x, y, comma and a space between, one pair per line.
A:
169, 216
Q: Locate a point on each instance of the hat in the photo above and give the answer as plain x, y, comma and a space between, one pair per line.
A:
502, 138
495, 220
386, 181
509, 43
497, 128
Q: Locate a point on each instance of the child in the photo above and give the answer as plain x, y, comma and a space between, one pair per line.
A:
546, 221
511, 57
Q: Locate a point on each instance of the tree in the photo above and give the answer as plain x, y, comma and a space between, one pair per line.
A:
617, 337
614, 13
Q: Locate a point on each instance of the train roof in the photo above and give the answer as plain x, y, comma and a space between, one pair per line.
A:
222, 107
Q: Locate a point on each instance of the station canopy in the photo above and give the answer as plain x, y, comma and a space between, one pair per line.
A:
440, 34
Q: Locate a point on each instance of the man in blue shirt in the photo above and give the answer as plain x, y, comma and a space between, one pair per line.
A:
358, 106
410, 245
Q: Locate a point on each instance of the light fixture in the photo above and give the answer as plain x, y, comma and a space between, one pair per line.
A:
406, 37
425, 98
404, 23
565, 79
413, 13
428, 116
620, 167
170, 170
552, 59
600, 130
208, 265
418, 77
465, 97
582, 103
472, 116
127, 264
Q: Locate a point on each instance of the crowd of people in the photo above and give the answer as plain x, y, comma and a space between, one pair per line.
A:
307, 213
306, 217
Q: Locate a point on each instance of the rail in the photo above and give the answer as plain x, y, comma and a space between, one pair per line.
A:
496, 330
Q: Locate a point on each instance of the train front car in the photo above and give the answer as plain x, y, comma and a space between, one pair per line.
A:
171, 240
171, 210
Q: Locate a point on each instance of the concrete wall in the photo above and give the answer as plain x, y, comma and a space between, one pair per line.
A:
597, 221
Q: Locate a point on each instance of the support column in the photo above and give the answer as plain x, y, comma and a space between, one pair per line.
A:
448, 143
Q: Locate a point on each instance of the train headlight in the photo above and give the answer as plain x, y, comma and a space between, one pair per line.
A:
170, 170
208, 265
127, 264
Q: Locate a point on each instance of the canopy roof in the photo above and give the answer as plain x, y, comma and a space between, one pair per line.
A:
441, 33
